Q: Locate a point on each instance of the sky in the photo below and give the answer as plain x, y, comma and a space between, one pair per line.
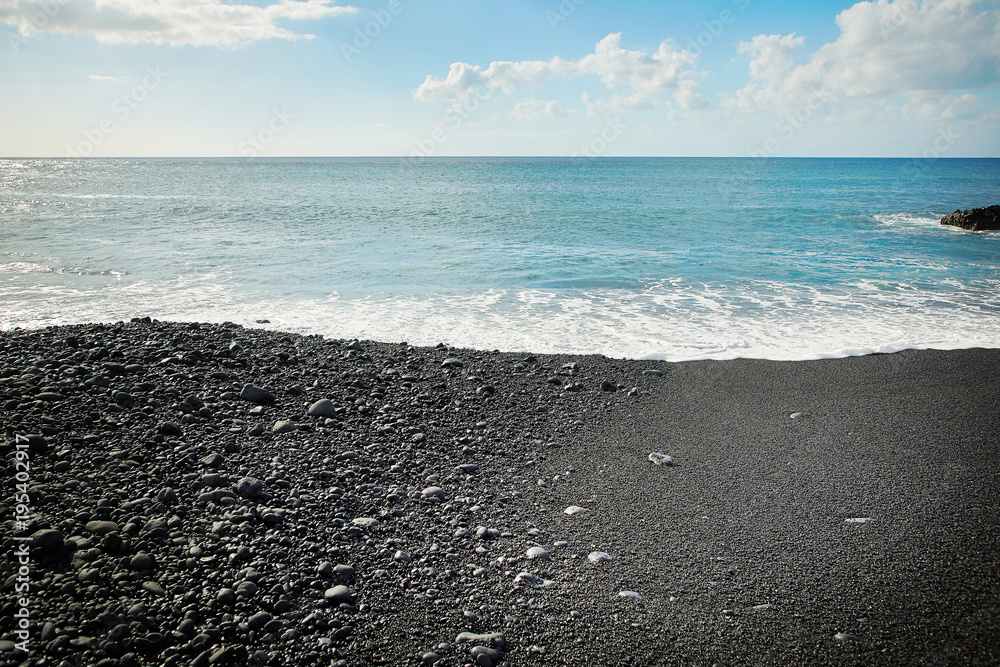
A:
270, 78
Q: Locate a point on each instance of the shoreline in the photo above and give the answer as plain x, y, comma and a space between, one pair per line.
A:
304, 331
862, 531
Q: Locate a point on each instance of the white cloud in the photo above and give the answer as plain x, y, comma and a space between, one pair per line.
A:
533, 109
920, 50
615, 105
169, 22
948, 108
642, 74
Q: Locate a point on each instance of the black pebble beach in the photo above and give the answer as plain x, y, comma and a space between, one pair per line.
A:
207, 494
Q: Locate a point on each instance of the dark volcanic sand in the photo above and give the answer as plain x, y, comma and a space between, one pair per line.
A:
741, 553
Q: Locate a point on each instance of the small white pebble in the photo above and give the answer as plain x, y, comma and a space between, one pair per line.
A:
660, 459
597, 557
573, 509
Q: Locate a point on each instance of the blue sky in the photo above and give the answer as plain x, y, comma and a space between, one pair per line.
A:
519, 77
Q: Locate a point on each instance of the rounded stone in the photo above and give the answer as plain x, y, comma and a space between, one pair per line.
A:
47, 540
140, 562
101, 527
339, 595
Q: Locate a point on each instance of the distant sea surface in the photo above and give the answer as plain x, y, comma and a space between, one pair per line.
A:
640, 258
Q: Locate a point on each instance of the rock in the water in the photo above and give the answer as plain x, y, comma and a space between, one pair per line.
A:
661, 459
256, 395
452, 362
976, 219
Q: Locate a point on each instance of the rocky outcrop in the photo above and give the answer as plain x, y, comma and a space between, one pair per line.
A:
976, 219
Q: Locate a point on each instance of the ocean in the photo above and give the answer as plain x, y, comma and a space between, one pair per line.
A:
675, 258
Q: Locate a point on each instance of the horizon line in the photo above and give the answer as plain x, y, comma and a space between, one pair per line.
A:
421, 158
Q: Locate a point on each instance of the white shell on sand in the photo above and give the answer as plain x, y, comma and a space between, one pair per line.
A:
631, 595
598, 557
860, 519
573, 509
661, 459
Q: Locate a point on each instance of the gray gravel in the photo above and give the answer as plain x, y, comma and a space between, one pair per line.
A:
409, 509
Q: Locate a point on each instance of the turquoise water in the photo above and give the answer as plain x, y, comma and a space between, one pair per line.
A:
659, 258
